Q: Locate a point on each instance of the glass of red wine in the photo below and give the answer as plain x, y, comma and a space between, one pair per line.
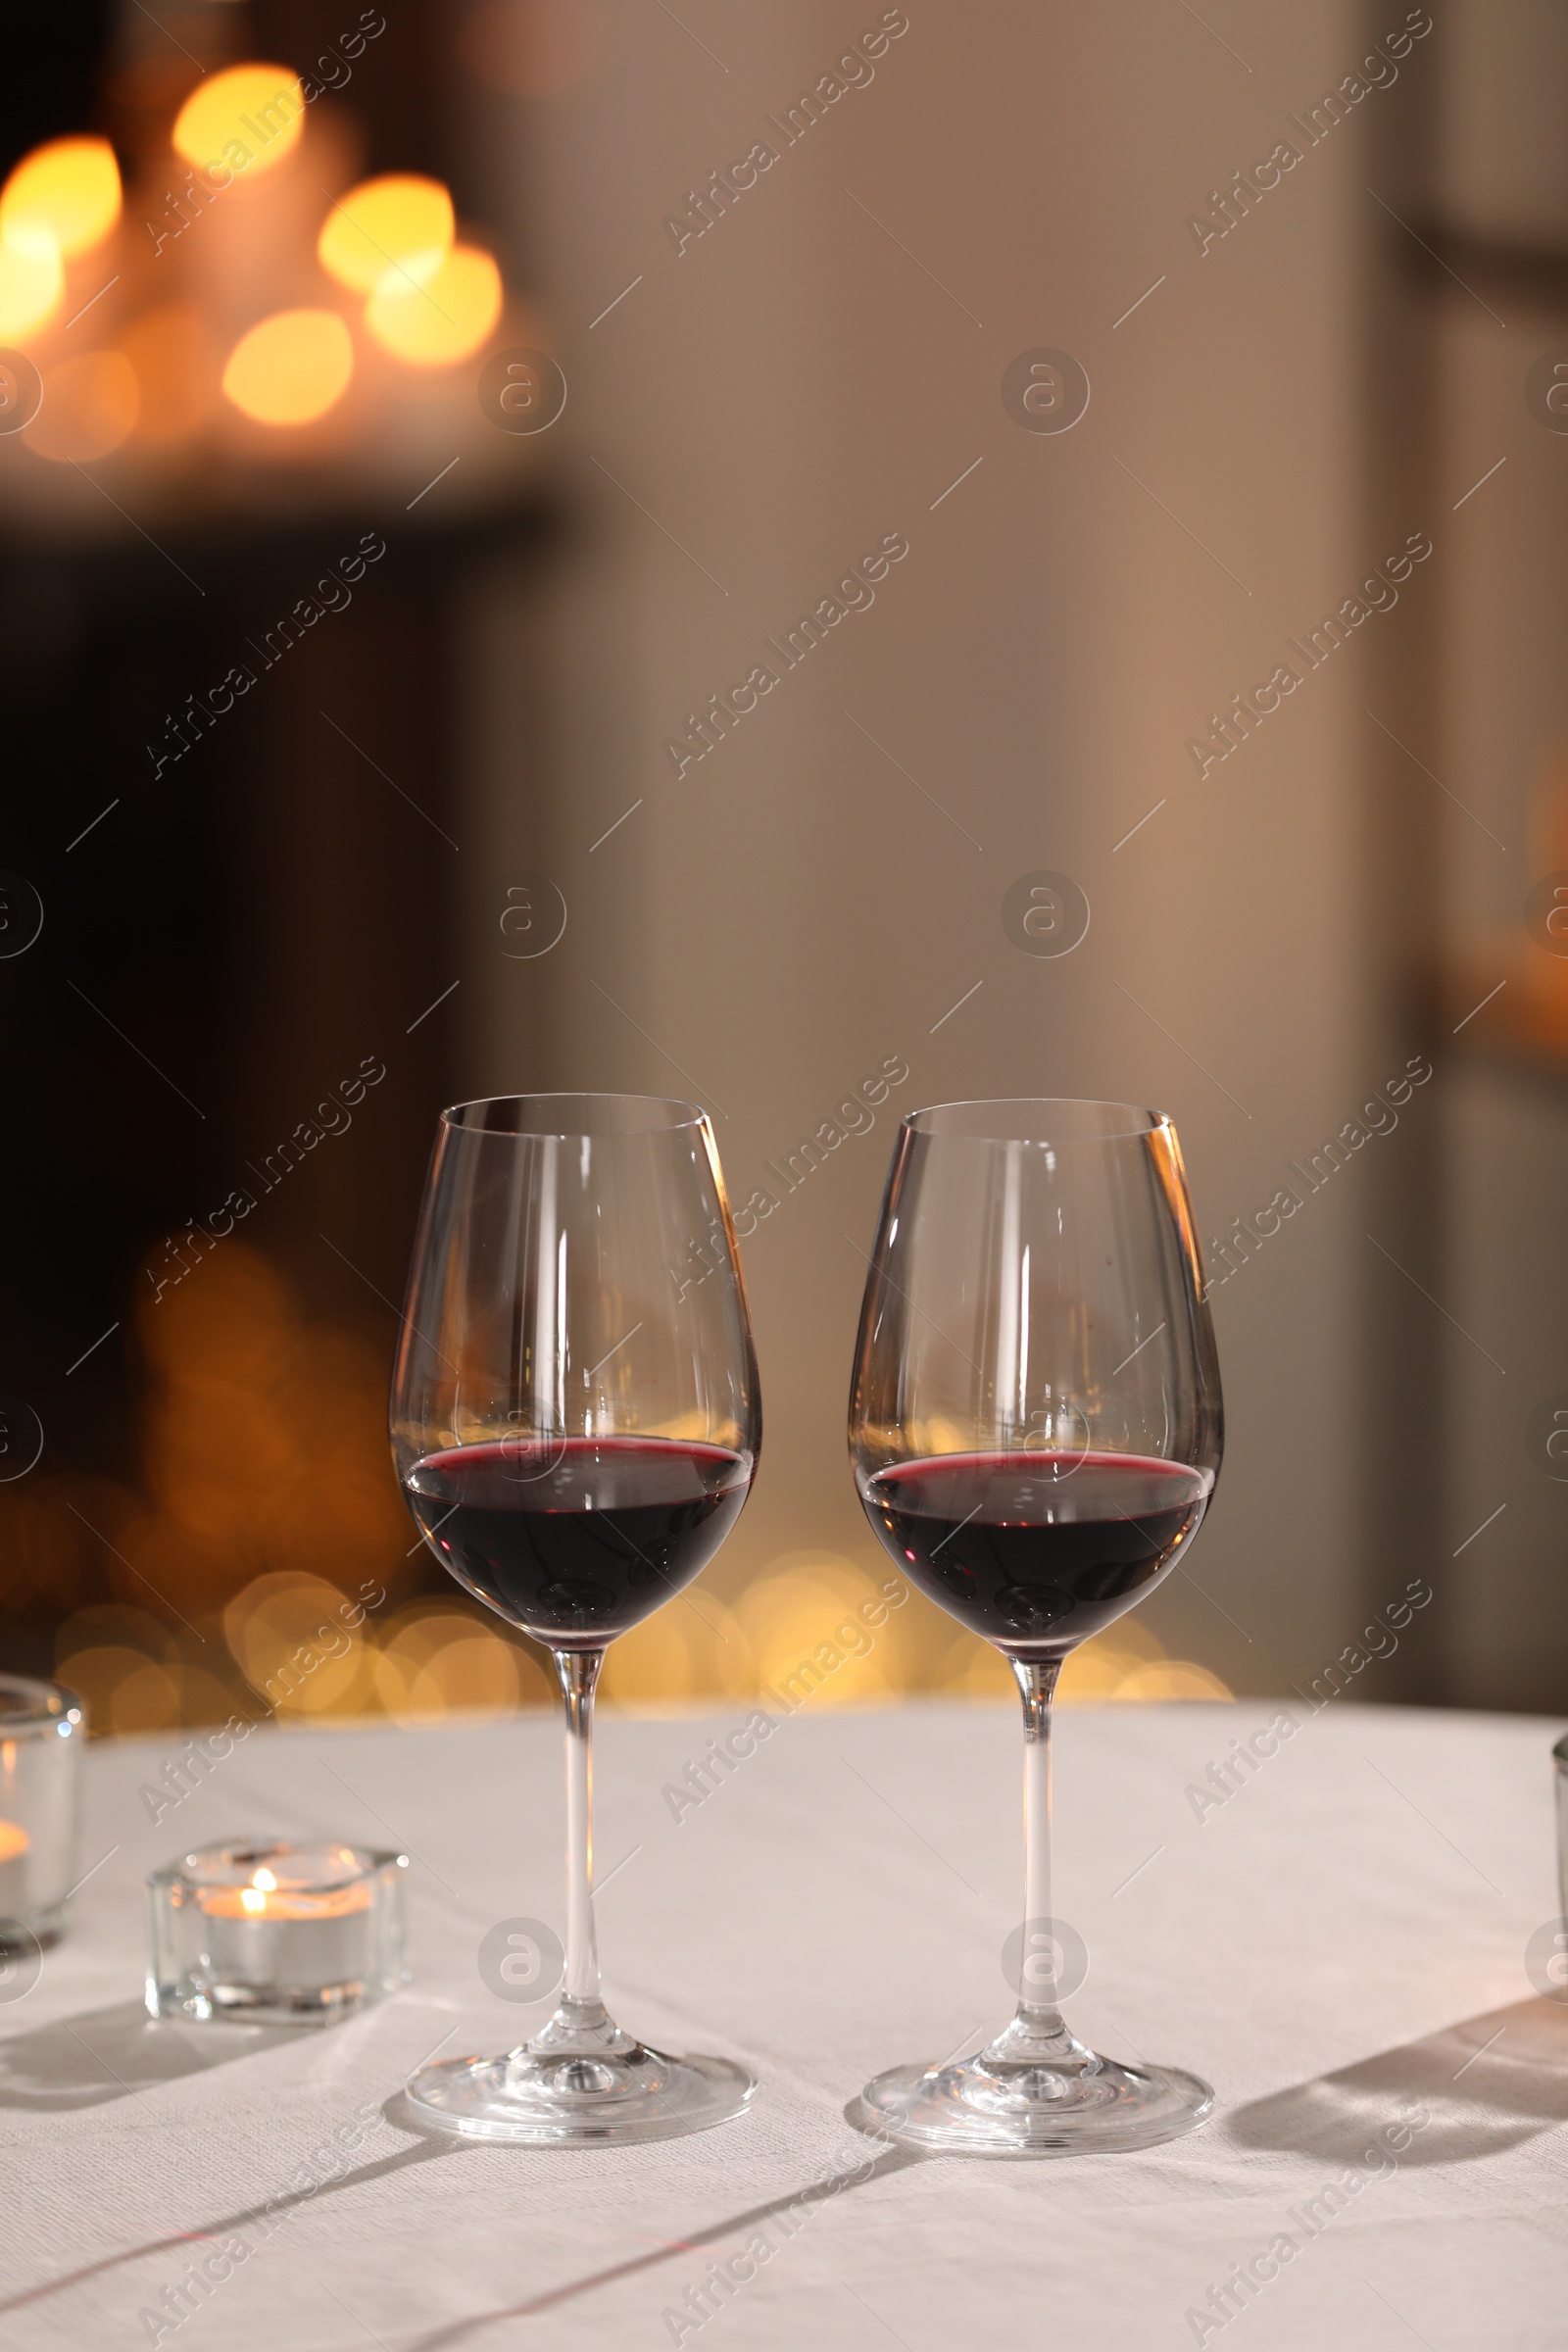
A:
575, 1423
1035, 1425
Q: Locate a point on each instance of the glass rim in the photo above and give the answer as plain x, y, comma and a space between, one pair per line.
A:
946, 1122
486, 1115
203, 1867
40, 1705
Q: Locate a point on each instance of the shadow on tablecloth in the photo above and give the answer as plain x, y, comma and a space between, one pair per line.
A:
109, 2053
793, 2206
1487, 2084
267, 2216
428, 2147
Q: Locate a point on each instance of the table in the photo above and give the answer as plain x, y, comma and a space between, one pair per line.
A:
1339, 1943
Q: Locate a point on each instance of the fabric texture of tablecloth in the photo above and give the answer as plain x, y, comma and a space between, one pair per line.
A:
1339, 1947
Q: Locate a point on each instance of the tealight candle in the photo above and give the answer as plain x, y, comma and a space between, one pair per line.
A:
265, 1899
42, 1734
280, 1934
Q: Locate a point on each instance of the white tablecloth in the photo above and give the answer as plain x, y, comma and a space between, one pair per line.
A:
1337, 1946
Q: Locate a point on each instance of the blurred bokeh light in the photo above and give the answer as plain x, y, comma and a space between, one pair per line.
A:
246, 119
234, 258
441, 320
261, 1563
290, 369
31, 282
399, 225
64, 197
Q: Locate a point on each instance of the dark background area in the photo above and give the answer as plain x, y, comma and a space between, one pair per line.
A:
228, 939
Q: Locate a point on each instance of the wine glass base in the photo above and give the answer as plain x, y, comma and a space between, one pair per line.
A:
984, 2108
578, 2101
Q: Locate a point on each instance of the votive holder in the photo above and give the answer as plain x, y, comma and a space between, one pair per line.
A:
43, 1732
292, 1934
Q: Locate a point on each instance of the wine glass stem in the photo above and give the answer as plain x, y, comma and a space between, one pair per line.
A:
578, 1672
1037, 1981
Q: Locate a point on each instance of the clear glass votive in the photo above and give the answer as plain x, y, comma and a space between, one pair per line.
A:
275, 1934
43, 1732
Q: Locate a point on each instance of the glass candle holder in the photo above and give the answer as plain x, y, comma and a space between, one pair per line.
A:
42, 1734
284, 1933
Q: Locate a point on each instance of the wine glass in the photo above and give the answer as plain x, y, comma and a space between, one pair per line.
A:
1035, 1426
575, 1423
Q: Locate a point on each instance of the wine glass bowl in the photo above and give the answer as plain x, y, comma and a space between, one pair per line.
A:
576, 1540
1035, 1430
575, 1423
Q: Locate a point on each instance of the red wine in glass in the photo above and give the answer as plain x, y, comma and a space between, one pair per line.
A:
576, 1540
1037, 1550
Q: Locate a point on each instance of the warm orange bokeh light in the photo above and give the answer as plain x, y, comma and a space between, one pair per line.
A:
30, 281
298, 1645
262, 1565
90, 403
246, 119
290, 369
444, 319
435, 1661
65, 195
399, 224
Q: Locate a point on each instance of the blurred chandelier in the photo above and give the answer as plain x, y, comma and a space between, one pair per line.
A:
240, 303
